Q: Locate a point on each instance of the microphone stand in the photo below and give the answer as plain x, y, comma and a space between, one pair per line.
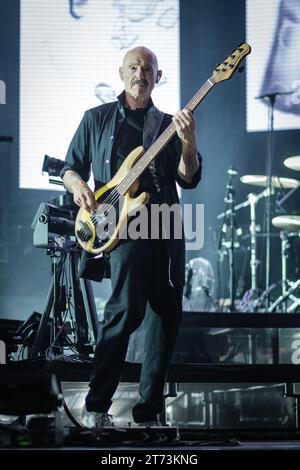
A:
230, 200
229, 215
269, 167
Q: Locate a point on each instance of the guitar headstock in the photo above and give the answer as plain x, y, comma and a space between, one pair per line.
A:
230, 65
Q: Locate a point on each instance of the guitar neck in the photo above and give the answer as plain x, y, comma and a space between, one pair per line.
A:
162, 140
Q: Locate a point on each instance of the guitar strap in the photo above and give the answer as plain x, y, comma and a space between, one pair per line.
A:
152, 126
151, 130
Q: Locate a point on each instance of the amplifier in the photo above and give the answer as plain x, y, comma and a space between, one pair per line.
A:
50, 221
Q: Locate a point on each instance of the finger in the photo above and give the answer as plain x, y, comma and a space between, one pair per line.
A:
81, 201
78, 201
88, 196
90, 202
84, 204
189, 117
183, 130
179, 121
188, 113
183, 119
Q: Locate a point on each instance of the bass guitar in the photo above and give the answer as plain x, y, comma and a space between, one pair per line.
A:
101, 231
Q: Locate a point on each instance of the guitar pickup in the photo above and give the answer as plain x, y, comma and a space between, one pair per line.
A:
84, 233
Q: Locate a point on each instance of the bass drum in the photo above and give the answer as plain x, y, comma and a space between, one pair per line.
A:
199, 286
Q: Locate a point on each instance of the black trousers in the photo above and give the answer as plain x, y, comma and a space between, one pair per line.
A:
140, 286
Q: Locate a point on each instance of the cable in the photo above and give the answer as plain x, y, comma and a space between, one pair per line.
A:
67, 411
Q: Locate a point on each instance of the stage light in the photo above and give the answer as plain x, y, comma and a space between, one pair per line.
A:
52, 166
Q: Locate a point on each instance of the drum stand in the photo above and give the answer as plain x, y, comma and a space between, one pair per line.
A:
251, 302
253, 198
228, 217
286, 292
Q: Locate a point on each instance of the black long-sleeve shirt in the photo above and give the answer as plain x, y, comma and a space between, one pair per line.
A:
93, 147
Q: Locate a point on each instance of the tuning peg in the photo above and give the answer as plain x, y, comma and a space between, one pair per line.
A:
241, 68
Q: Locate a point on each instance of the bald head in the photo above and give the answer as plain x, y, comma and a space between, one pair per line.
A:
141, 51
139, 72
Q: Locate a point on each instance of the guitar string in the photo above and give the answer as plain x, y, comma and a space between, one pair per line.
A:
115, 194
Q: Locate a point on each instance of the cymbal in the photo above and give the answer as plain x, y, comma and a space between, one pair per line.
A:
277, 182
293, 163
287, 222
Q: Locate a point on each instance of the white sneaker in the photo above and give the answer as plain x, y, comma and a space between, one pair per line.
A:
94, 419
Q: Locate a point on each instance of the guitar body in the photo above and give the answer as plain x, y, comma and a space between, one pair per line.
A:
90, 229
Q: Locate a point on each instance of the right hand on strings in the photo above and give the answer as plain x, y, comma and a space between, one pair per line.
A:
84, 197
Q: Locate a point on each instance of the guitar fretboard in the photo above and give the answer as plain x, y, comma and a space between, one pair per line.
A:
161, 142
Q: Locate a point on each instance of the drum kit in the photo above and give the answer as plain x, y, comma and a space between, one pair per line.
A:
289, 226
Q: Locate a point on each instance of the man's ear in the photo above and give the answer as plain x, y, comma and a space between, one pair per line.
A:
158, 76
121, 73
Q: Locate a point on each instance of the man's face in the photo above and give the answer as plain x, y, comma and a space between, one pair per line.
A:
139, 73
